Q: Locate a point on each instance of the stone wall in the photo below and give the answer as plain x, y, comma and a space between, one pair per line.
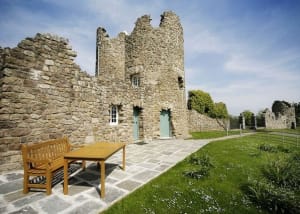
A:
201, 122
1, 57
273, 121
283, 108
45, 95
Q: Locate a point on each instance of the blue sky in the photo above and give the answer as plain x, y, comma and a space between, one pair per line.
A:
245, 53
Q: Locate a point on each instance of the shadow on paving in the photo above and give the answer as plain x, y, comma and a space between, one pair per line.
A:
90, 177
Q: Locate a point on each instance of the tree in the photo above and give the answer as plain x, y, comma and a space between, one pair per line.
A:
201, 102
279, 107
247, 115
221, 115
260, 118
220, 110
297, 112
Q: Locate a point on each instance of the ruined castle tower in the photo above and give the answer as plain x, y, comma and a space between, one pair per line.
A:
137, 94
144, 72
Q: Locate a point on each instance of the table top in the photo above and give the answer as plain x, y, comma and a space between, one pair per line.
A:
95, 151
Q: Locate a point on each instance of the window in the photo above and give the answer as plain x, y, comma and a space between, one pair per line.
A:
113, 115
180, 82
135, 81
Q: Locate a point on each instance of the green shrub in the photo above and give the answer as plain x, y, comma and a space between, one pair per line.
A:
270, 148
267, 148
197, 174
283, 149
281, 173
202, 168
279, 191
203, 160
272, 198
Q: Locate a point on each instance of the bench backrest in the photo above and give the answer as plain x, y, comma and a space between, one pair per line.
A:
48, 150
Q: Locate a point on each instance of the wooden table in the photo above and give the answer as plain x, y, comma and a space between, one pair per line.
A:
94, 152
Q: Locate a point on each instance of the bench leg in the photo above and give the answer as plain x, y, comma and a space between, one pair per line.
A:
48, 183
66, 165
102, 177
83, 165
25, 183
124, 164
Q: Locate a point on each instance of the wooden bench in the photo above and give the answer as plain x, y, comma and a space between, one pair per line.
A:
43, 159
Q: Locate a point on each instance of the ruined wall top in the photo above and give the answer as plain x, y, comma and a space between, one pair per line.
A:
40, 48
169, 19
143, 23
156, 49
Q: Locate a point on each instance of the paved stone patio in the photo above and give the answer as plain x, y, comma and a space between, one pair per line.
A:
144, 162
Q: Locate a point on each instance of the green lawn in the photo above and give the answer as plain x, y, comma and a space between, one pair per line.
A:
214, 134
222, 169
291, 131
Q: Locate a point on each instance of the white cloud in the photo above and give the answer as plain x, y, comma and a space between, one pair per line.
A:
274, 69
201, 40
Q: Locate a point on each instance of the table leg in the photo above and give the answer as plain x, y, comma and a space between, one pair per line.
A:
124, 158
102, 175
66, 176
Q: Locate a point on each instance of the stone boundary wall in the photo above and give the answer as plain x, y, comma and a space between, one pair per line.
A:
275, 122
45, 95
201, 122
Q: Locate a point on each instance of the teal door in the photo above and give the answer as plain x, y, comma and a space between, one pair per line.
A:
165, 123
136, 113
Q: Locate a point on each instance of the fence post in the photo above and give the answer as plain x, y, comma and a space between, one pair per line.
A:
240, 129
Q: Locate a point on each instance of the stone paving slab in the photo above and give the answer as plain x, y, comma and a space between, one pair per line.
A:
143, 163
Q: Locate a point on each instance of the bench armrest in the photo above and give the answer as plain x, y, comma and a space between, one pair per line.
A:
38, 161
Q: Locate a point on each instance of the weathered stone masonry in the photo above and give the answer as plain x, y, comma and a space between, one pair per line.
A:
155, 55
282, 116
45, 95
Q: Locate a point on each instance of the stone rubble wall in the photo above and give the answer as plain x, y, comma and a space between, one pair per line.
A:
45, 95
201, 122
275, 122
282, 116
283, 108
1, 57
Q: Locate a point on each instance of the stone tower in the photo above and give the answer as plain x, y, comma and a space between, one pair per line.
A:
145, 74
137, 94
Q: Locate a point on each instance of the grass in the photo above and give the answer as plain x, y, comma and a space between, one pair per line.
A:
227, 165
216, 134
290, 131
213, 134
